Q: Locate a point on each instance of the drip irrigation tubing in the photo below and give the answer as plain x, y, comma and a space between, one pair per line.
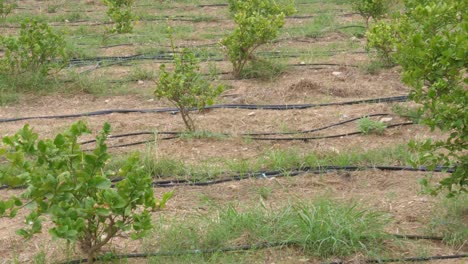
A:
178, 133
402, 98
277, 174
256, 247
217, 43
168, 57
305, 139
413, 259
316, 66
326, 137
289, 173
192, 19
226, 4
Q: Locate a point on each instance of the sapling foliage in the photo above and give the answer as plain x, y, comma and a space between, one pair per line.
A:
432, 49
368, 9
5, 8
121, 13
383, 37
257, 23
185, 87
72, 188
38, 49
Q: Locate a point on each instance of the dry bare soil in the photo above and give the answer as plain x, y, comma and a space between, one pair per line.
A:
395, 193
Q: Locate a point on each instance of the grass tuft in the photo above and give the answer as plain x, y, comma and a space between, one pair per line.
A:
262, 69
323, 229
451, 220
369, 126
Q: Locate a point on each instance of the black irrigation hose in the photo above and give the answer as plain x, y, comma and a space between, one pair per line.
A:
326, 137
289, 173
414, 259
186, 252
315, 66
178, 133
282, 173
305, 139
402, 98
167, 56
254, 247
313, 130
418, 237
192, 19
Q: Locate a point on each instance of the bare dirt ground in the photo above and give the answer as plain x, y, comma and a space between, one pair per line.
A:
395, 193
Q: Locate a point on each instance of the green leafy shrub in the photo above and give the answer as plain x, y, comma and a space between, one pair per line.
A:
432, 49
369, 126
38, 49
72, 187
257, 23
6, 7
121, 13
368, 9
383, 37
185, 87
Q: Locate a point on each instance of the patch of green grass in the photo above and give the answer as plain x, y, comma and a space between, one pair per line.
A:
7, 96
369, 126
215, 258
323, 229
138, 73
281, 160
263, 69
451, 220
264, 192
374, 67
413, 113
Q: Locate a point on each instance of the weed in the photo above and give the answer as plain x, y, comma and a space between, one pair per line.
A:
264, 192
40, 258
415, 113
319, 25
323, 228
374, 67
141, 74
450, 220
52, 8
271, 160
263, 69
369, 126
281, 160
